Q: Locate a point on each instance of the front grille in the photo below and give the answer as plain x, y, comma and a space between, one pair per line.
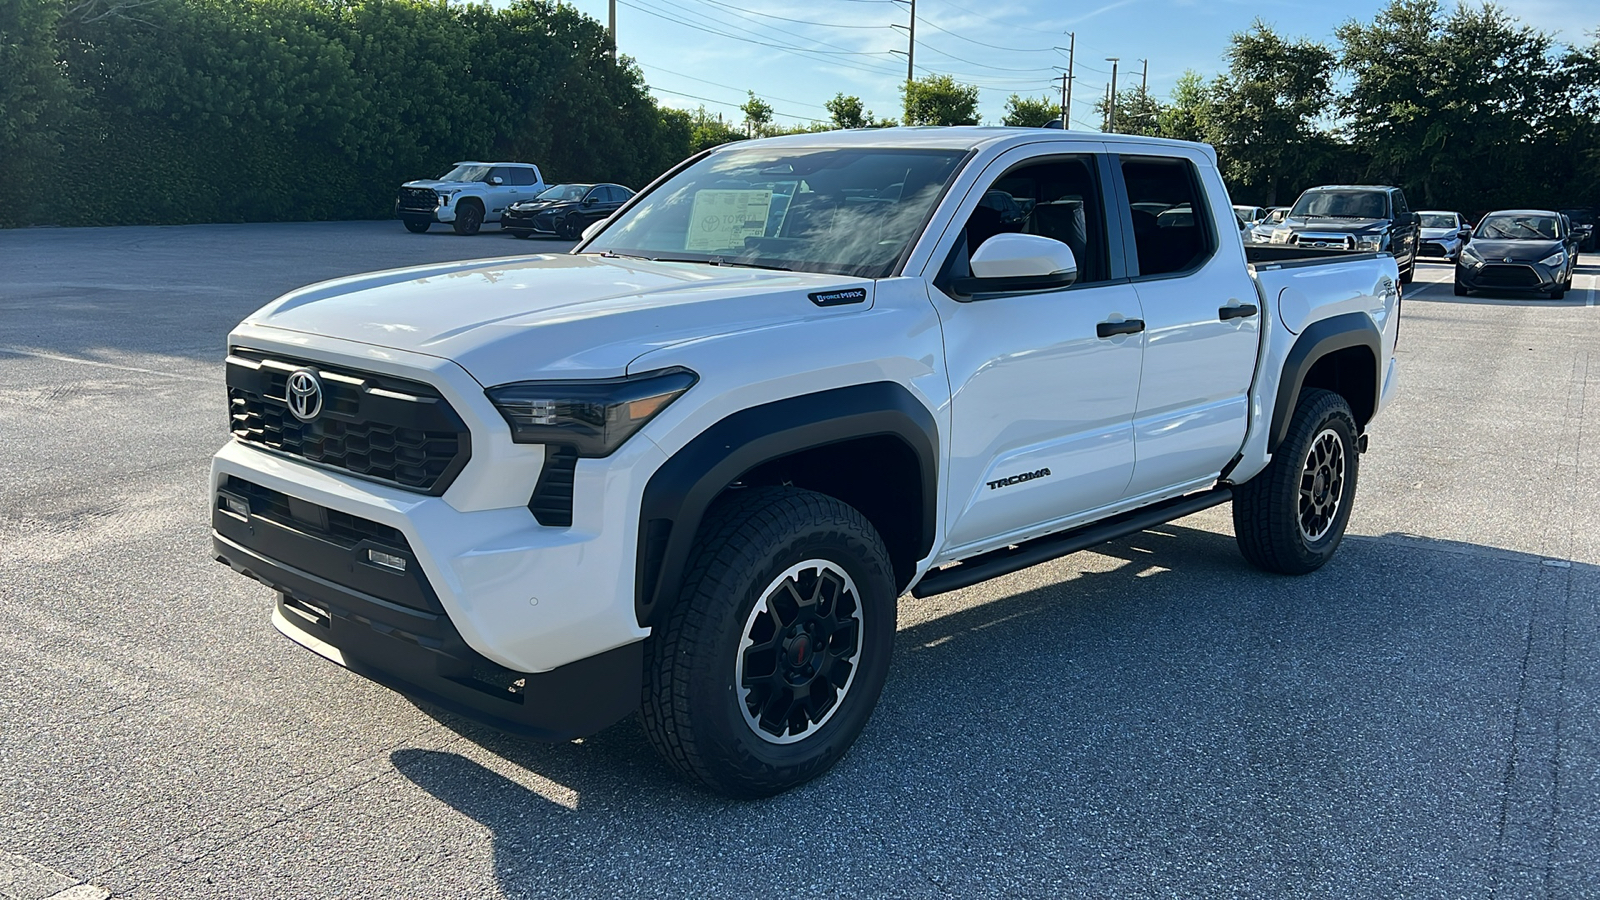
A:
1508, 276
390, 430
1326, 241
418, 199
1431, 249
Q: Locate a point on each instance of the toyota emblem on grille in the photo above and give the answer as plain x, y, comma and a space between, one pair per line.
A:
304, 394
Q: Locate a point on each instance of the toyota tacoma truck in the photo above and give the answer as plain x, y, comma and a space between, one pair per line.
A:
690, 468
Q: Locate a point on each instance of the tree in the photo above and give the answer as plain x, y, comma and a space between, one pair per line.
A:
848, 112
1464, 110
1188, 116
1030, 112
1137, 113
757, 115
36, 101
940, 100
1263, 112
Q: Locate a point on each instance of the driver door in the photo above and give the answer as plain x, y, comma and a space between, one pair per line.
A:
1042, 404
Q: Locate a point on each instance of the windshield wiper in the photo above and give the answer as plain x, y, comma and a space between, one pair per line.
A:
718, 261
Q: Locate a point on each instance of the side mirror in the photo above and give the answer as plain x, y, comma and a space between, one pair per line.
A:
1014, 263
588, 201
496, 180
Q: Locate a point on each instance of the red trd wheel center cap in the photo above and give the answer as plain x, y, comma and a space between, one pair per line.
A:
800, 651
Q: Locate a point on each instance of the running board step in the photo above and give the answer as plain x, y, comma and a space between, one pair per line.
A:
1030, 553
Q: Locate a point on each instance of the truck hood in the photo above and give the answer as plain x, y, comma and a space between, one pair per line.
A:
1320, 225
442, 185
552, 316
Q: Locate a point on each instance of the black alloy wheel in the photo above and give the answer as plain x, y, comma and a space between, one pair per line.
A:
469, 217
770, 662
571, 228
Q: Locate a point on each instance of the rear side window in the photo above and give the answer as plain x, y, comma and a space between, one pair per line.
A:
522, 176
1171, 223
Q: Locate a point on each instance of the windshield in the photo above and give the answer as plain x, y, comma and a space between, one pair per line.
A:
564, 192
1435, 220
466, 173
1341, 205
1517, 228
840, 211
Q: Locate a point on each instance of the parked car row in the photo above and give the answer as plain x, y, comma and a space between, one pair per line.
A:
510, 193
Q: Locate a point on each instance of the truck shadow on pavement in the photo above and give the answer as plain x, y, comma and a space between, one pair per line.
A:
1159, 718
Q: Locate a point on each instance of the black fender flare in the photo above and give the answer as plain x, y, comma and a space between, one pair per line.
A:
682, 489
1319, 339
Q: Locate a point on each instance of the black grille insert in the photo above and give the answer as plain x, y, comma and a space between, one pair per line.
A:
1512, 276
552, 498
329, 524
386, 429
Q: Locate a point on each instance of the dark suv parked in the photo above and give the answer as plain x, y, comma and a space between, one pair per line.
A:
1357, 218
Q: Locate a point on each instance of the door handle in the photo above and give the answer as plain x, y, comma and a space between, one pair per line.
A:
1126, 326
1242, 311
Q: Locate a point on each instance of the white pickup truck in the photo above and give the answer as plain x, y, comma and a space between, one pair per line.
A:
690, 468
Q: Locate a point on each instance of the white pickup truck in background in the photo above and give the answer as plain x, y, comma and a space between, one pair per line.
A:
690, 468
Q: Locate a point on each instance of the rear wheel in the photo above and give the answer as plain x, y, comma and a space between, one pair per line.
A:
1291, 517
417, 226
772, 660
469, 217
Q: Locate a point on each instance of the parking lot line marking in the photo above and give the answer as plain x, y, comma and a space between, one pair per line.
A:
18, 351
24, 879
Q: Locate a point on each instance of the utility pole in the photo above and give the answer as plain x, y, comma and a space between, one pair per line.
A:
611, 29
1066, 82
1111, 94
1144, 80
911, 45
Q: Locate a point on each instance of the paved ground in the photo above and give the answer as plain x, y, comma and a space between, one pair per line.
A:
1156, 719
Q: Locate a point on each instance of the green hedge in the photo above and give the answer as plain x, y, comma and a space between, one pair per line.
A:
178, 111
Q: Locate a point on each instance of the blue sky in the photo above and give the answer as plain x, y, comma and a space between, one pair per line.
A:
796, 55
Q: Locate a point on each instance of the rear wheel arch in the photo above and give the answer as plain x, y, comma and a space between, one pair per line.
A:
1339, 354
872, 446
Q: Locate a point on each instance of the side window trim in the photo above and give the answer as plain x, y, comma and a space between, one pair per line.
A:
1207, 222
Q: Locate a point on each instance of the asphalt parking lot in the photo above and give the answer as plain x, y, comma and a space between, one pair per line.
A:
1153, 719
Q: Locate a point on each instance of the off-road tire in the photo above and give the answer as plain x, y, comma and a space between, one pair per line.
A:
469, 217
691, 708
1267, 510
417, 226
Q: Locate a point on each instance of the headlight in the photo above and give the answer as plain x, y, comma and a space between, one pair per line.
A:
594, 417
1558, 258
1469, 255
444, 199
1371, 242
1281, 236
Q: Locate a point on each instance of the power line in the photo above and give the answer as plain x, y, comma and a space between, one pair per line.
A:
732, 88
982, 44
795, 51
731, 105
753, 12
787, 34
980, 65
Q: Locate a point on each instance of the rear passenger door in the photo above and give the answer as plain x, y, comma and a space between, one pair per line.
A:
1202, 318
499, 196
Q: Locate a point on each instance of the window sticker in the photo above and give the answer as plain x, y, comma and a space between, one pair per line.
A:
722, 219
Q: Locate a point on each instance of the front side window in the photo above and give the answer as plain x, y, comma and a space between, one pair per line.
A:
501, 172
1169, 214
839, 211
563, 192
1057, 198
1506, 227
1341, 205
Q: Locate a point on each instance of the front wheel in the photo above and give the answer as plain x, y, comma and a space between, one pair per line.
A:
1409, 273
773, 658
1461, 290
469, 218
571, 228
1291, 517
1559, 292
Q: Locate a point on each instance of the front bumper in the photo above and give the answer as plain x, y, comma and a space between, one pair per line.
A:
418, 652
533, 222
1513, 276
1438, 249
444, 214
